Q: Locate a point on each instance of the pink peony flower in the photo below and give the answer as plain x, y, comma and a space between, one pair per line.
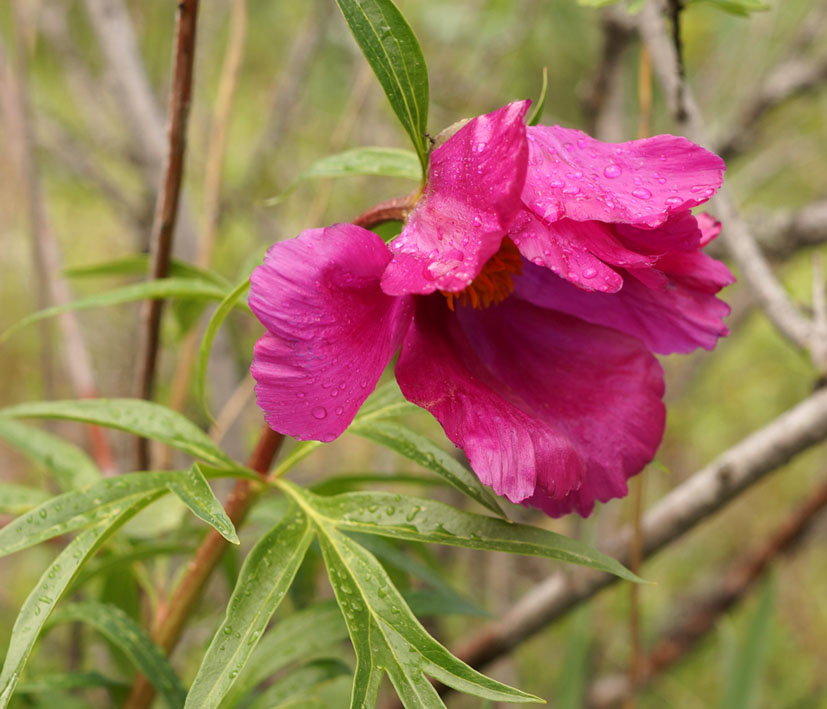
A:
527, 291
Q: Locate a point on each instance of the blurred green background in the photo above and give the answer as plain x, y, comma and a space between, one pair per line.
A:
304, 91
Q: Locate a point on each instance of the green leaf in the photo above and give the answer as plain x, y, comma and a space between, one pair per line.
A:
537, 113
133, 640
573, 677
393, 53
436, 602
300, 684
70, 680
90, 505
147, 290
300, 636
386, 636
17, 499
143, 418
222, 311
51, 586
351, 481
417, 519
743, 671
427, 454
382, 162
71, 467
194, 491
740, 8
264, 579
138, 265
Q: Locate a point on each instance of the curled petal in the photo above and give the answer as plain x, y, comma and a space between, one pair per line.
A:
641, 182
670, 311
330, 329
583, 253
473, 191
551, 411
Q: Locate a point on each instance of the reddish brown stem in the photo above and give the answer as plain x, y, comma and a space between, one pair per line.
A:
168, 625
393, 210
166, 209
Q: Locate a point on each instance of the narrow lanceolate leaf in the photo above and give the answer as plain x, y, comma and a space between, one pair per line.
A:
264, 579
71, 467
393, 53
419, 449
387, 637
69, 680
143, 418
90, 505
194, 491
300, 685
48, 591
421, 520
222, 311
301, 636
537, 111
191, 288
138, 265
17, 499
133, 640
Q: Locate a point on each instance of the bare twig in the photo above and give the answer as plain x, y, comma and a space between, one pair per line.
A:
212, 188
166, 210
703, 494
774, 300
76, 359
704, 612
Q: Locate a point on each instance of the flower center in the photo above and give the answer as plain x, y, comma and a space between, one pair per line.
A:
495, 282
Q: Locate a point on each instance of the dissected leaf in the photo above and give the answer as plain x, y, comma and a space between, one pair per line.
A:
419, 449
417, 519
68, 680
393, 53
71, 467
143, 418
48, 591
537, 111
262, 583
88, 506
133, 640
138, 265
301, 636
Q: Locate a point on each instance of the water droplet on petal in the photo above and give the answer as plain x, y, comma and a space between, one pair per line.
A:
641, 193
674, 201
612, 171
589, 272
339, 410
319, 412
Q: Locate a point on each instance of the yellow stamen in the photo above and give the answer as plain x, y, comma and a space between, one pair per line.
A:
494, 283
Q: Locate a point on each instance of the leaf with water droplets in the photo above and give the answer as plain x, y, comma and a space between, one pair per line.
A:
393, 53
419, 449
303, 635
71, 467
264, 579
133, 640
143, 418
107, 499
48, 591
417, 519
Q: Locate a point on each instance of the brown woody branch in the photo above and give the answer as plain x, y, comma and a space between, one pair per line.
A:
166, 210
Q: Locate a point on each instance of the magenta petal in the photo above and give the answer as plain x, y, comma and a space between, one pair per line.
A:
571, 174
581, 252
473, 192
670, 313
548, 409
330, 329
